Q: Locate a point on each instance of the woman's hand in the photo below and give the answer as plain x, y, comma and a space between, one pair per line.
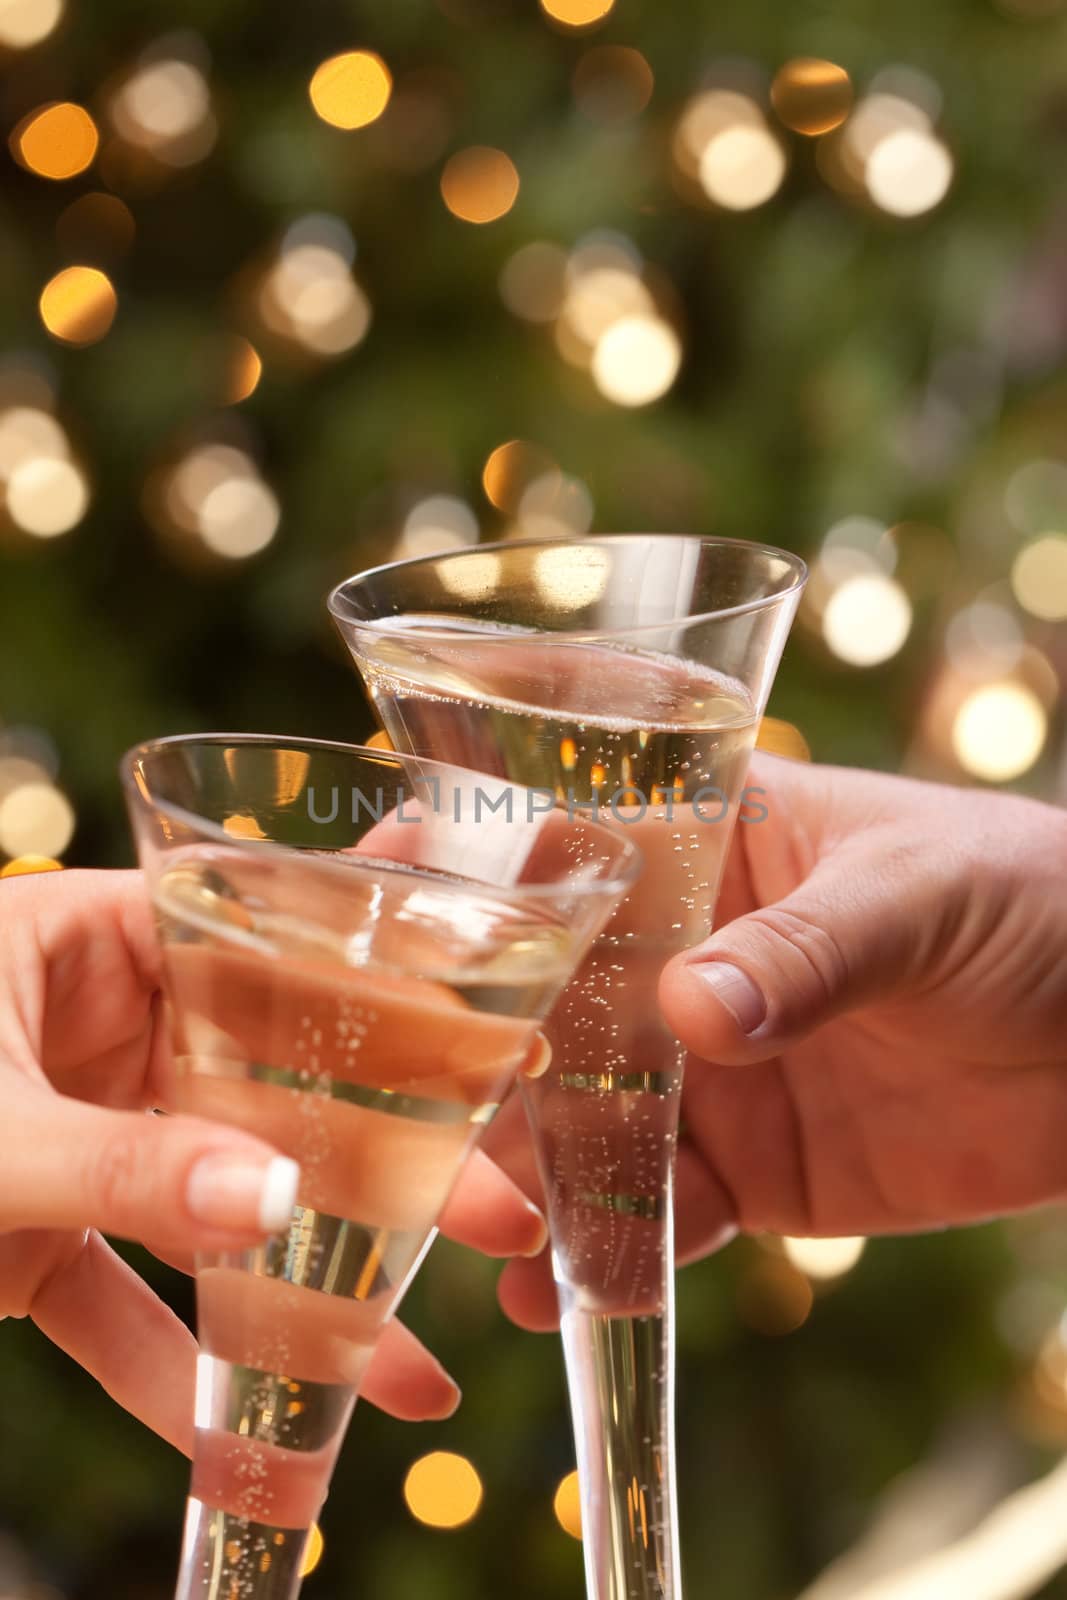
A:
879, 1026
82, 1048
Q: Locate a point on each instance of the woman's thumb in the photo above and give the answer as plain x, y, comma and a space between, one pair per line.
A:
773, 976
175, 1181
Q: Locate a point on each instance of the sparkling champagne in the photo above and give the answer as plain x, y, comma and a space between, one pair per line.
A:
287, 1025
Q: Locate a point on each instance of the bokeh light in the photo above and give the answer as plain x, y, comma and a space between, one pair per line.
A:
532, 281
352, 89
867, 619
706, 115
243, 371
59, 141
24, 23
999, 731
811, 96
78, 305
824, 1258
216, 495
438, 523
510, 469
309, 296
567, 1505
782, 739
742, 167
312, 1551
1039, 577
24, 866
29, 434
47, 497
909, 172
479, 184
36, 819
472, 578
577, 13
164, 108
555, 505
97, 228
443, 1490
636, 360
773, 1297
1035, 497
612, 83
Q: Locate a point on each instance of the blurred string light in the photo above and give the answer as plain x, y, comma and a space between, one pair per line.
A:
164, 109
567, 1505
636, 360
724, 146
609, 323
554, 505
244, 369
309, 297
782, 739
612, 83
443, 1490
1039, 577
45, 493
984, 638
909, 173
510, 469
215, 495
888, 150
577, 13
1035, 498
824, 1259
351, 90
479, 184
36, 819
57, 141
25, 865
999, 731
313, 1550
532, 281
863, 613
78, 305
811, 96
773, 1297
438, 523
24, 23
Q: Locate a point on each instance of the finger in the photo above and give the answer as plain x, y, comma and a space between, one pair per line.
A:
489, 1212
527, 1294
404, 1379
858, 927
102, 1314
181, 1182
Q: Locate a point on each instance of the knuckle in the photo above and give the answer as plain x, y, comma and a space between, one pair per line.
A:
119, 1170
805, 951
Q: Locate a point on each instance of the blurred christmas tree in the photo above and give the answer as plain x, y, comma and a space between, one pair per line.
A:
290, 290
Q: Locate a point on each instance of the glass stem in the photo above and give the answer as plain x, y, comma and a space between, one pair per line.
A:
620, 1377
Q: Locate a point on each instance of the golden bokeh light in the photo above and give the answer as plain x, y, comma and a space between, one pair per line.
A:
215, 493
24, 23
909, 172
567, 1506
23, 866
612, 83
243, 371
531, 282
310, 298
312, 1551
58, 141
812, 96
824, 1259
29, 434
479, 184
707, 114
577, 13
999, 731
509, 470
742, 167
773, 1298
443, 1490
164, 107
472, 577
782, 739
97, 227
867, 619
570, 576
1039, 577
78, 305
47, 497
601, 297
35, 820
438, 523
636, 360
554, 505
351, 90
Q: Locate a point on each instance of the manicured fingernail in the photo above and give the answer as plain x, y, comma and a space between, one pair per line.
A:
736, 991
239, 1194
542, 1234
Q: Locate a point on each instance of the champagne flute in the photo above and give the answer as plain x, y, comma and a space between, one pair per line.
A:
358, 948
626, 674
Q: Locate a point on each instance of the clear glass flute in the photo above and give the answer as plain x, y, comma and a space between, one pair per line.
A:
626, 675
358, 949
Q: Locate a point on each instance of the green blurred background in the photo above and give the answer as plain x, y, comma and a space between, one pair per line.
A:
796, 273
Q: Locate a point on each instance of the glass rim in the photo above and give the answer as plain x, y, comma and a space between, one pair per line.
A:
622, 873
339, 604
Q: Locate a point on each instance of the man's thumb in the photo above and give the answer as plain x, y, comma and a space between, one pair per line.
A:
775, 975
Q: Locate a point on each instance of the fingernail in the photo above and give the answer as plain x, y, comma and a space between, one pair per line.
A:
234, 1192
542, 1235
449, 1407
736, 991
